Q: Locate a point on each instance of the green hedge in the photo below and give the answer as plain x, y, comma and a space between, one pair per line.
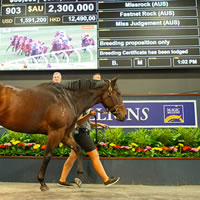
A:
178, 142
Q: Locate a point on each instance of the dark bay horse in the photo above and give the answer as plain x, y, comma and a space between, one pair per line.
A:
53, 109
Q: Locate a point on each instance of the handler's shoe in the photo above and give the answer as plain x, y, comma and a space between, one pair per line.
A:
78, 182
64, 183
111, 181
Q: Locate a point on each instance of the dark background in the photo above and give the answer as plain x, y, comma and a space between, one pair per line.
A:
151, 81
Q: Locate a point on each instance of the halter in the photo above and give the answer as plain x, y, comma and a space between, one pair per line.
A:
115, 108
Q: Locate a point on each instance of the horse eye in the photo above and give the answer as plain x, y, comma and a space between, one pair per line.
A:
118, 93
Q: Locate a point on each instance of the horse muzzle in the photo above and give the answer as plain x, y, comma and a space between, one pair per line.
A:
120, 118
120, 115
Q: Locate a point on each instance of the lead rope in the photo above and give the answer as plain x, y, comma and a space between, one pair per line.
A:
103, 132
95, 117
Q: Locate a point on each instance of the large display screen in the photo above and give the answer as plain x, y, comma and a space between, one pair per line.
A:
110, 34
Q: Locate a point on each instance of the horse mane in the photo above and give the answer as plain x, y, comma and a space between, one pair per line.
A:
75, 85
2, 86
82, 84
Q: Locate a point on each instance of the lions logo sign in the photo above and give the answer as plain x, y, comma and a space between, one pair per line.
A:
154, 113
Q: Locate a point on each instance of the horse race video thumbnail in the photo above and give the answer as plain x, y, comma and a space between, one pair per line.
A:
57, 47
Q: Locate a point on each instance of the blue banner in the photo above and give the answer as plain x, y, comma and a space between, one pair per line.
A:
150, 114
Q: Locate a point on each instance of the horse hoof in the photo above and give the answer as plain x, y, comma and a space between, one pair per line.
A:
44, 188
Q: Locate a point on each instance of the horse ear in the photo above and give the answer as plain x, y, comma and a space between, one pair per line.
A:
114, 80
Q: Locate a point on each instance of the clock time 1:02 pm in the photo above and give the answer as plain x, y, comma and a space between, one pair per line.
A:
192, 61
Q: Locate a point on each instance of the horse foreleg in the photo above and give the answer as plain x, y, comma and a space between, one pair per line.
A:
8, 48
54, 138
63, 57
71, 143
18, 52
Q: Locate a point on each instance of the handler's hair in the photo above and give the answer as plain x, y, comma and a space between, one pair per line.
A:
57, 73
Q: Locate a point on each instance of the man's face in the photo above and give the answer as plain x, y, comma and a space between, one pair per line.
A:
97, 77
57, 78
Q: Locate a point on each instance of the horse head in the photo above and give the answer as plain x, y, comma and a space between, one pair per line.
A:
112, 100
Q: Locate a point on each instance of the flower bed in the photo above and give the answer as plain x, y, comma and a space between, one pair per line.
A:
180, 142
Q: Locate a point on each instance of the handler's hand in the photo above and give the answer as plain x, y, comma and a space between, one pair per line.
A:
103, 125
92, 113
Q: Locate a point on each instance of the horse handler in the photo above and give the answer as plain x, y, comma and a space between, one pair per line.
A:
81, 136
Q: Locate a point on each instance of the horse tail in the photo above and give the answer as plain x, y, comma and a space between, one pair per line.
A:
91, 41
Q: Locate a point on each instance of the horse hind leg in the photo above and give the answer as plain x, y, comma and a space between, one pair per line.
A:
63, 57
54, 137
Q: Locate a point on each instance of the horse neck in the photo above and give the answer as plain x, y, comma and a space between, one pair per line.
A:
86, 99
